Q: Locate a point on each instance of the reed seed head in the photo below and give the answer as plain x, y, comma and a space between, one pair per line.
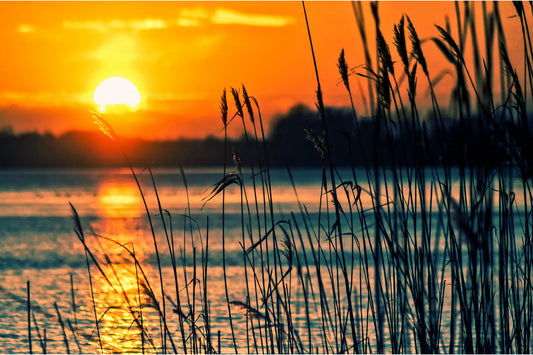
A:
319, 142
287, 250
236, 159
448, 39
248, 104
417, 47
104, 127
343, 70
384, 53
238, 103
400, 43
383, 86
252, 312
224, 108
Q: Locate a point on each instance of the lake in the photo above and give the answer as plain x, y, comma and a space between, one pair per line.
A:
38, 244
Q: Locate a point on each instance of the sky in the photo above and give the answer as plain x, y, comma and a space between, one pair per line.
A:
181, 55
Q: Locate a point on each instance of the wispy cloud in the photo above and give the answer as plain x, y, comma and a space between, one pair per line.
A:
187, 22
192, 17
85, 25
197, 13
102, 26
227, 17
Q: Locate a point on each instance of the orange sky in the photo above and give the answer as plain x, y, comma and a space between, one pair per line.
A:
181, 55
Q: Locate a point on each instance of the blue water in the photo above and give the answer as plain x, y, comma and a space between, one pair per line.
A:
38, 245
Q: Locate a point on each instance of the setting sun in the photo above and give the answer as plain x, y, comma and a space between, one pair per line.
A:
116, 91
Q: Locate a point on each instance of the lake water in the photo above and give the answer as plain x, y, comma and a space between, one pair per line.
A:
38, 242
38, 245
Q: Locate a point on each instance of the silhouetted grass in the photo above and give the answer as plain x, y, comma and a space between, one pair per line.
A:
399, 258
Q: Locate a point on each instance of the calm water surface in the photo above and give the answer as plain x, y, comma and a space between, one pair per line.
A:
38, 244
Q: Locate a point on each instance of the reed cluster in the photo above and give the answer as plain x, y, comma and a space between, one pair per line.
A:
399, 258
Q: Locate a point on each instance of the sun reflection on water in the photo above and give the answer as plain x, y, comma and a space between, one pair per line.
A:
125, 304
119, 200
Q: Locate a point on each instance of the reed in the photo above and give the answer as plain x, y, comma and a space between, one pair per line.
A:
28, 306
422, 249
60, 320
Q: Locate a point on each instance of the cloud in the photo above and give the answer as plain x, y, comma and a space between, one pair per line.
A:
193, 17
231, 17
85, 25
197, 13
187, 22
116, 24
149, 24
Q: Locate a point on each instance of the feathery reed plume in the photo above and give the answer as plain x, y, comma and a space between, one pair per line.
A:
386, 67
453, 54
288, 250
226, 181
319, 142
104, 127
384, 53
342, 65
236, 159
224, 108
417, 47
151, 299
248, 104
511, 72
238, 103
343, 70
401, 44
252, 312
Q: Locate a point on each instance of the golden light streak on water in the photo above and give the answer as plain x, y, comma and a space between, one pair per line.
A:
119, 200
125, 302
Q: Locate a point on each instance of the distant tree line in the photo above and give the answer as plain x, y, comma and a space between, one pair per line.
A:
295, 139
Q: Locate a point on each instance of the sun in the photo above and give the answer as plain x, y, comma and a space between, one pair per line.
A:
116, 91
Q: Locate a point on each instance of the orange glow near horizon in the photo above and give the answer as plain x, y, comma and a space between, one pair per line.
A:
181, 55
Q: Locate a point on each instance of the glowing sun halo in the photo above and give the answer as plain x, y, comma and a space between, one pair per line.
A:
116, 91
